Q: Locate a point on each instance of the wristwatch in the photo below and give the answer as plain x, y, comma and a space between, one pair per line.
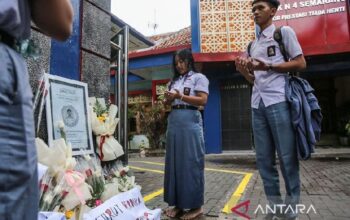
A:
269, 67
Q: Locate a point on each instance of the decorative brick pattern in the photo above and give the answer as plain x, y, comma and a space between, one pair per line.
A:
225, 25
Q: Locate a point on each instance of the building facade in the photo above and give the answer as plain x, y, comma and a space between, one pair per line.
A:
221, 30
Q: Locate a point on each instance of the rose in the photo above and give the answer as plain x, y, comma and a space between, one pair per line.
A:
98, 202
122, 173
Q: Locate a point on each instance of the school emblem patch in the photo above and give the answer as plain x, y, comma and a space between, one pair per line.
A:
187, 91
271, 51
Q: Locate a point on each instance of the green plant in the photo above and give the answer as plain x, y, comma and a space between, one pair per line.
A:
142, 144
343, 127
347, 128
99, 109
152, 121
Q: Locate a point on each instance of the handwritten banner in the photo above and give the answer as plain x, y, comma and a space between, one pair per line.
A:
124, 206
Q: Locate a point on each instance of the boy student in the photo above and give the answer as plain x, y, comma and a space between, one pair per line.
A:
18, 166
267, 70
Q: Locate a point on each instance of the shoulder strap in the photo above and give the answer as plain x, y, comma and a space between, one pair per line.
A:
277, 36
249, 47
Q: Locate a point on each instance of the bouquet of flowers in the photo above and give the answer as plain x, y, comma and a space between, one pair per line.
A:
111, 189
44, 186
52, 192
92, 171
79, 191
104, 123
58, 157
123, 175
61, 184
119, 179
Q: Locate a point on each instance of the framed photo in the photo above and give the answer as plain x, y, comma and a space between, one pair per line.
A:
67, 102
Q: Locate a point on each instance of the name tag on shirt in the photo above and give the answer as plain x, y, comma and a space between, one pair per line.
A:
187, 90
271, 51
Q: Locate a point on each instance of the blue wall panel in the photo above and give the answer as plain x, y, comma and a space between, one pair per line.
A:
131, 78
134, 78
150, 61
65, 56
195, 26
212, 119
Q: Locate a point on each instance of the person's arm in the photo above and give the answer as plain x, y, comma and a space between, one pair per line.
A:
201, 98
167, 100
241, 67
296, 64
53, 17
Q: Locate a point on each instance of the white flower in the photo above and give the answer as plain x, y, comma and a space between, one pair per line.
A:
126, 169
98, 173
87, 157
60, 124
48, 198
58, 189
117, 174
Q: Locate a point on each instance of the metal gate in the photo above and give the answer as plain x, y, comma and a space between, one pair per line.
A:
121, 65
236, 115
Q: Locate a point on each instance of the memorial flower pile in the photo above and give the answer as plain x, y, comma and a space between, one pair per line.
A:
103, 124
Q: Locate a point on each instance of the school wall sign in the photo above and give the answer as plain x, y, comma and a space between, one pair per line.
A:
322, 26
221, 30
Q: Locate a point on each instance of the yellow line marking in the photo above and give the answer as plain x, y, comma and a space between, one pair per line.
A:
150, 170
154, 194
226, 171
208, 169
147, 162
235, 197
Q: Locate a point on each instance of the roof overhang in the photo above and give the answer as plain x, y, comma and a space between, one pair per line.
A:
137, 41
153, 52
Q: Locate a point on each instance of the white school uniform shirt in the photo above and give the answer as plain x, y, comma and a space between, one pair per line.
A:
270, 85
189, 84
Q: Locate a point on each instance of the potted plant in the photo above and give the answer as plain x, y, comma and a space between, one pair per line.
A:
152, 122
345, 134
347, 130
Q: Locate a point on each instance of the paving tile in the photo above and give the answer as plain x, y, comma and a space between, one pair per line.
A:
325, 184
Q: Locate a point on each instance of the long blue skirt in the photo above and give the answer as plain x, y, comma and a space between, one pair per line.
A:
18, 161
184, 161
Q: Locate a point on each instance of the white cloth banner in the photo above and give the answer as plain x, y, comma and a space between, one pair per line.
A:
124, 206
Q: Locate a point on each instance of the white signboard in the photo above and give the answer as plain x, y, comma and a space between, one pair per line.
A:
124, 206
67, 101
